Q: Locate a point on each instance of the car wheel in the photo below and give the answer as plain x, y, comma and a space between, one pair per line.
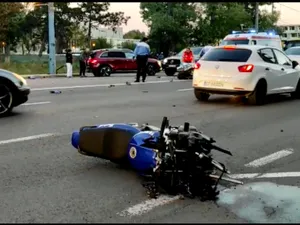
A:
201, 96
105, 71
296, 93
96, 73
169, 73
6, 100
151, 70
181, 76
258, 96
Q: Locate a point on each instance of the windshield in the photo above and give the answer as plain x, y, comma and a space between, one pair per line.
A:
292, 51
195, 50
292, 44
235, 42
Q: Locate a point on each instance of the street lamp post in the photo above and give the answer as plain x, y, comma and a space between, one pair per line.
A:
51, 31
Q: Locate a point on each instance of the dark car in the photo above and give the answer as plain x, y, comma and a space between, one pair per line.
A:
104, 62
170, 64
13, 91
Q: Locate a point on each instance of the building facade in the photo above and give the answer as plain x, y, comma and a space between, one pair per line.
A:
290, 32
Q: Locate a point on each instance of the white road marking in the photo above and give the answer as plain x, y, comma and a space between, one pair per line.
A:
102, 85
270, 158
265, 175
36, 103
148, 205
27, 138
186, 89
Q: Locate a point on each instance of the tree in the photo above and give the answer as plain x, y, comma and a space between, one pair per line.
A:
170, 23
134, 34
11, 17
94, 14
128, 44
100, 43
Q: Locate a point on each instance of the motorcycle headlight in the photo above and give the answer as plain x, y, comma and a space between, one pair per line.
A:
165, 61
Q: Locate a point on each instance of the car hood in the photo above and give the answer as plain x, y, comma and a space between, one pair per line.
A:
173, 57
294, 57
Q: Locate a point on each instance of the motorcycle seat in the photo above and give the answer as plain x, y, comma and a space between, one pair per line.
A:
108, 143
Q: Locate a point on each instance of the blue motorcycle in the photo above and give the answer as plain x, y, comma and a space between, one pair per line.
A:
171, 159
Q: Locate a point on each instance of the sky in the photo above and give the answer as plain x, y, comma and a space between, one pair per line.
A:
290, 14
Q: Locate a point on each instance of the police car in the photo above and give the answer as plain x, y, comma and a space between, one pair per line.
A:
251, 37
251, 71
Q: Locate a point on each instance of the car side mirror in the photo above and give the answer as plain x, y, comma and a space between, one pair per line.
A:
295, 64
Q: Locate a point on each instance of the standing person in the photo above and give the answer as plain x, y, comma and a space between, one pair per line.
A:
142, 52
69, 61
82, 63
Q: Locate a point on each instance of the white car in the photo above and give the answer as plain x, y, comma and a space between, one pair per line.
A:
293, 53
251, 71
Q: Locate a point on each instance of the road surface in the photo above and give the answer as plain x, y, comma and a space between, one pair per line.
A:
43, 179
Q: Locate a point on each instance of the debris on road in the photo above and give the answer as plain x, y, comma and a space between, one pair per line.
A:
128, 83
110, 86
55, 92
31, 77
158, 76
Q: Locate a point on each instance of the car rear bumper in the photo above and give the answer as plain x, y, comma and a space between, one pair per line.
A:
222, 91
21, 96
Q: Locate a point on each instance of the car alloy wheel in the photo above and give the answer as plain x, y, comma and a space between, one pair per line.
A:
105, 71
6, 99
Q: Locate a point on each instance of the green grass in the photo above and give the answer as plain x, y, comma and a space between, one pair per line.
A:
35, 68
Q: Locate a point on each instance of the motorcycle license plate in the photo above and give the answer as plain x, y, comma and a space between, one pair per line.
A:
213, 83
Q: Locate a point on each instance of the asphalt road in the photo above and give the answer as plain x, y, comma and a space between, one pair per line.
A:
43, 179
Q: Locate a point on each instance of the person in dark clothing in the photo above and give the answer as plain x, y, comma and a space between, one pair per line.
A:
82, 63
69, 61
142, 52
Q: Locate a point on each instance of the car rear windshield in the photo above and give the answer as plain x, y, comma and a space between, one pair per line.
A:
227, 55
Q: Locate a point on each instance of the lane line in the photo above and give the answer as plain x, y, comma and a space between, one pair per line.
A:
264, 175
270, 158
35, 103
148, 205
103, 85
186, 89
27, 138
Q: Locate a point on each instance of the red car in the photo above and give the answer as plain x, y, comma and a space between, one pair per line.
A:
104, 62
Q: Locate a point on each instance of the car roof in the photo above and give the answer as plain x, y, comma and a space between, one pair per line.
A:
113, 50
250, 47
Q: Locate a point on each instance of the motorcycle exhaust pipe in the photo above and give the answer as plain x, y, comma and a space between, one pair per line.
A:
226, 179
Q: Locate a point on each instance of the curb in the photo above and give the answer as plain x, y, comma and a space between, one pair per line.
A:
34, 76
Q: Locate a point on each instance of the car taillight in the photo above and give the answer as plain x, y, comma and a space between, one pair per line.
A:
197, 66
248, 68
93, 61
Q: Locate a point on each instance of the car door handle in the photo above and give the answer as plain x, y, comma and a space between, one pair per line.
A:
282, 69
267, 68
